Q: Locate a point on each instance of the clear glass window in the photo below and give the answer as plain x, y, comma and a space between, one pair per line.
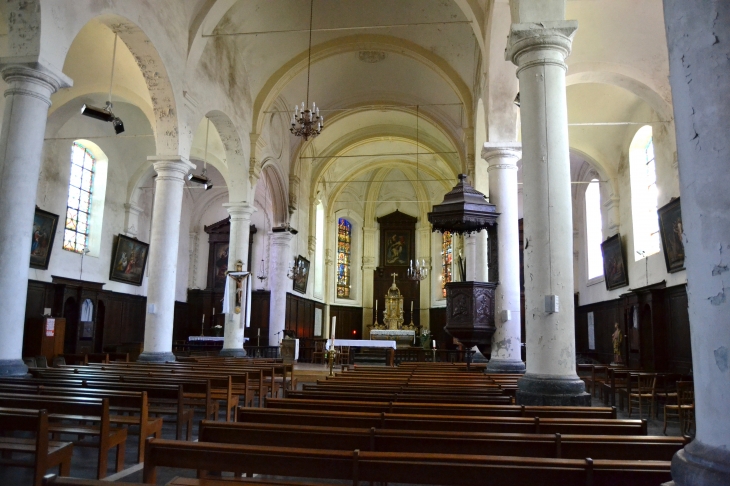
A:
78, 205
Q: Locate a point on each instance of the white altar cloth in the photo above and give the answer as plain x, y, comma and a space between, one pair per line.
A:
362, 343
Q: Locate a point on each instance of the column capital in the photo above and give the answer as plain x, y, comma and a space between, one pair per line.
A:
546, 42
30, 77
173, 167
501, 155
240, 211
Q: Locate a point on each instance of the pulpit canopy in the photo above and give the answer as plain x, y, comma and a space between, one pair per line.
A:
463, 210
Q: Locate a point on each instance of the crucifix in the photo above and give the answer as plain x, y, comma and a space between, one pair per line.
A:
238, 275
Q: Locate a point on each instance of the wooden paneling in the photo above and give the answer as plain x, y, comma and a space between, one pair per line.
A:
260, 309
661, 340
437, 322
300, 316
349, 321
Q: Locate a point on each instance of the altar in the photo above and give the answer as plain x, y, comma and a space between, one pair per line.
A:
402, 337
393, 328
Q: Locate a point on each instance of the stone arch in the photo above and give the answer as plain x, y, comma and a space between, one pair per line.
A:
275, 85
152, 67
278, 189
621, 77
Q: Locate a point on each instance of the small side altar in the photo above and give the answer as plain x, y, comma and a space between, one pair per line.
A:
393, 328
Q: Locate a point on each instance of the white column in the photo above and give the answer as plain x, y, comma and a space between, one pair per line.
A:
470, 254
539, 51
235, 324
697, 40
21, 144
506, 341
368, 274
481, 256
281, 259
164, 239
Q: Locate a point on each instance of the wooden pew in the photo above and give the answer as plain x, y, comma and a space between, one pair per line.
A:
443, 408
365, 396
63, 409
525, 425
53, 480
46, 453
650, 448
165, 400
120, 402
410, 468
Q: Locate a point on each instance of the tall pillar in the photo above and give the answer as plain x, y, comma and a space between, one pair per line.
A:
164, 239
470, 255
539, 51
235, 324
697, 40
506, 342
368, 276
21, 144
280, 256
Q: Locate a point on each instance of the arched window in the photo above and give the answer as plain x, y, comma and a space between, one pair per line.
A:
594, 234
447, 260
644, 194
344, 250
78, 206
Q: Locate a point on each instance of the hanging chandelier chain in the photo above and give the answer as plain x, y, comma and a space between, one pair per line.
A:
307, 124
309, 54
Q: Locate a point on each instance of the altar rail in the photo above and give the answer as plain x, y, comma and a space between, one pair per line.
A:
405, 355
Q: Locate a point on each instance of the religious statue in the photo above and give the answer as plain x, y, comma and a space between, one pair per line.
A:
617, 337
393, 317
238, 275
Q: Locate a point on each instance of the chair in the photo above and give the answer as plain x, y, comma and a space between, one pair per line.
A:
59, 361
343, 354
685, 407
29, 362
599, 375
41, 362
318, 353
642, 386
666, 389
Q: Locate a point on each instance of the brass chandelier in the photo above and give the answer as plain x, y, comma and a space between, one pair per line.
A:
307, 123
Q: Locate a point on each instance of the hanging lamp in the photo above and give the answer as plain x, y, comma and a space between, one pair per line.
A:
307, 123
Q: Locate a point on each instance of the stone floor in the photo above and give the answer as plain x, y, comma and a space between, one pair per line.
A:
83, 464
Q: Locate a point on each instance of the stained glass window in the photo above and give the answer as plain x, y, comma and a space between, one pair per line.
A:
78, 208
344, 250
447, 258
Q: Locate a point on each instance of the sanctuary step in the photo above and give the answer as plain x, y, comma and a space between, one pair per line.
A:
370, 356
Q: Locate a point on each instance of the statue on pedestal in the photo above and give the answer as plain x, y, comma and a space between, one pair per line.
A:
617, 338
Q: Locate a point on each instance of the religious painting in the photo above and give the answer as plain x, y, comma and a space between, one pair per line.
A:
614, 263
670, 228
129, 258
300, 283
220, 264
44, 230
397, 248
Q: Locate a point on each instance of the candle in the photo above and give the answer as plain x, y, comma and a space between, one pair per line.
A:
434, 344
334, 325
411, 309
213, 310
258, 332
203, 318
376, 308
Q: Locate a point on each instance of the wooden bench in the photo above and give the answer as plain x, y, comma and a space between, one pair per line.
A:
411, 468
399, 397
132, 403
165, 400
46, 453
525, 425
443, 408
659, 448
68, 415
53, 480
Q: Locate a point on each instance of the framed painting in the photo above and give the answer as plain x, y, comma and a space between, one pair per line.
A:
670, 229
397, 248
129, 257
614, 263
44, 230
220, 264
300, 283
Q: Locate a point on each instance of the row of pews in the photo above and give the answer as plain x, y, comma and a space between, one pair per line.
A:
99, 405
420, 423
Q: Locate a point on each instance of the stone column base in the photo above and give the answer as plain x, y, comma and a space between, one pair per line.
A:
550, 390
13, 367
506, 366
156, 357
701, 465
233, 353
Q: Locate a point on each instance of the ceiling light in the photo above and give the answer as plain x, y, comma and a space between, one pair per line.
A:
307, 124
201, 179
106, 114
